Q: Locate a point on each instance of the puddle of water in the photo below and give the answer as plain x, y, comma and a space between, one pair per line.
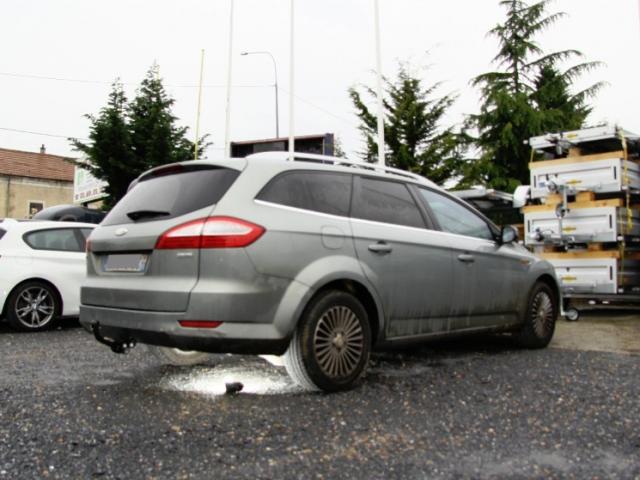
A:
211, 381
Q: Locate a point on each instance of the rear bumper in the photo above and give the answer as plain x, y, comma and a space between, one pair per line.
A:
163, 329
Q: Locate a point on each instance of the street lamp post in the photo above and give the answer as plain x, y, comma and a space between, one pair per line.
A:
275, 85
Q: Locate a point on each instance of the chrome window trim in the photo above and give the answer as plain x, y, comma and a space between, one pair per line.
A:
299, 210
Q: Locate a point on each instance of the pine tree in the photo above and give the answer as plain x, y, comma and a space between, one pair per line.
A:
415, 139
561, 109
526, 96
109, 148
128, 138
155, 137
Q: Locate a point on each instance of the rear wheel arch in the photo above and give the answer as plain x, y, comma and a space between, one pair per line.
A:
332, 342
364, 296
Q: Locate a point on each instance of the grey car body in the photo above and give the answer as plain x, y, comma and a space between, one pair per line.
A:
420, 262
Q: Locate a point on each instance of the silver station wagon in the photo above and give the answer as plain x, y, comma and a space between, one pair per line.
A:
319, 259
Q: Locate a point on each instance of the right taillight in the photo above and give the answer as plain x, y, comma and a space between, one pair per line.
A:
212, 232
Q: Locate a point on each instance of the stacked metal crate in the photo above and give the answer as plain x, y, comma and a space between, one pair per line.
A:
583, 210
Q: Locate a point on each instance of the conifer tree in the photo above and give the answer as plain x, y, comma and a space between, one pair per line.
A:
527, 95
156, 139
109, 148
415, 138
128, 138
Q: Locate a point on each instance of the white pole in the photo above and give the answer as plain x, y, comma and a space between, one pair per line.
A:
227, 141
381, 149
292, 148
195, 145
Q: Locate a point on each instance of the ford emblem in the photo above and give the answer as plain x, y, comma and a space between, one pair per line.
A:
121, 231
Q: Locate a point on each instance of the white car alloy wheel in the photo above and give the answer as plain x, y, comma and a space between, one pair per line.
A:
32, 306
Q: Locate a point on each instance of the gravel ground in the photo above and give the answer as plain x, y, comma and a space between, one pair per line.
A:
479, 408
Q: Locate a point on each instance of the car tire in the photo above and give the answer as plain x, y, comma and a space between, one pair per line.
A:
330, 347
177, 357
540, 317
32, 306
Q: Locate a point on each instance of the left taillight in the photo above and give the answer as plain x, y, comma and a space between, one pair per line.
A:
212, 232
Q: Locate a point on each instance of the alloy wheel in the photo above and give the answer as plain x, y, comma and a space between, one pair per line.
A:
35, 307
338, 342
542, 313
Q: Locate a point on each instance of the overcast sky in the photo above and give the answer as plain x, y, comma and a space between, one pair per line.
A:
100, 40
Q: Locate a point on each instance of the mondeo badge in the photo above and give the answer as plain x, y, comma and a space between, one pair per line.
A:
121, 231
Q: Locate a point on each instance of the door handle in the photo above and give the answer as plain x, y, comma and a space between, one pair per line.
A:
466, 258
380, 247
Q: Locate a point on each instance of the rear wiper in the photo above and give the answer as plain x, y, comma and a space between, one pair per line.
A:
140, 214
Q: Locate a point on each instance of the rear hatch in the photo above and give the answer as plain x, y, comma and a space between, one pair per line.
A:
125, 267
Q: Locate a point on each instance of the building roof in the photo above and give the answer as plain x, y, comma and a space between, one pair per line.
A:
35, 165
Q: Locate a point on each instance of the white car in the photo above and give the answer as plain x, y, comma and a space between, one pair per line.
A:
42, 264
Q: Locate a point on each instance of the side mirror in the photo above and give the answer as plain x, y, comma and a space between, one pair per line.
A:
509, 234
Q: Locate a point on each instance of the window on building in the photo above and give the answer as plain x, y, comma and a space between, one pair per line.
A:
34, 207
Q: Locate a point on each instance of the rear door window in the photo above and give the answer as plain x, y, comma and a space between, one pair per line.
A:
387, 202
317, 191
168, 196
59, 239
2, 232
456, 218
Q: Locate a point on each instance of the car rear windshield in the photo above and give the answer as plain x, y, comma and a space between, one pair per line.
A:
168, 196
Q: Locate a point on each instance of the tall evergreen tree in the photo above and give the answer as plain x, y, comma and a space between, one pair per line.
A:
415, 138
527, 96
127, 138
156, 139
109, 148
562, 110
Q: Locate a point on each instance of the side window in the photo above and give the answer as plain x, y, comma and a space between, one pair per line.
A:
62, 239
387, 202
455, 218
318, 191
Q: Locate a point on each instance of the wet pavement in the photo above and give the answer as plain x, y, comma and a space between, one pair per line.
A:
474, 408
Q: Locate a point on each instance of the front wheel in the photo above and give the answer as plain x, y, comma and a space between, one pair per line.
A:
540, 317
177, 357
32, 306
331, 345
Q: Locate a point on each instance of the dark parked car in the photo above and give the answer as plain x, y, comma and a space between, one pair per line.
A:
71, 213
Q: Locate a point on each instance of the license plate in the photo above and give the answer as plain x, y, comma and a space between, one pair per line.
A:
125, 262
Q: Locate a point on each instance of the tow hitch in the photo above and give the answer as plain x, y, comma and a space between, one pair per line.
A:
116, 347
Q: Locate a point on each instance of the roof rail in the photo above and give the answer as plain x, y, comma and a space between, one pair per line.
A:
328, 160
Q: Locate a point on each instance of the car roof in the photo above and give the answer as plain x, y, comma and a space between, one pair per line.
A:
28, 225
339, 164
310, 161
